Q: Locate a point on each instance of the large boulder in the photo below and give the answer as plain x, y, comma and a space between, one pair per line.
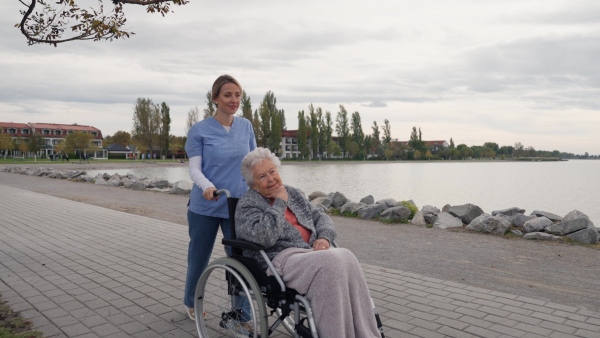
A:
316, 194
575, 221
114, 181
519, 219
509, 211
160, 184
418, 219
338, 199
444, 221
388, 202
371, 211
324, 201
430, 213
466, 212
586, 236
182, 187
351, 207
368, 199
138, 185
395, 214
554, 218
536, 224
99, 179
490, 224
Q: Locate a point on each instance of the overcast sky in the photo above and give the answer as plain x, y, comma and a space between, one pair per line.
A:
476, 71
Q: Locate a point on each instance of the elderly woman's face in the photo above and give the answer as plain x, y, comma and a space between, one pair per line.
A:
266, 178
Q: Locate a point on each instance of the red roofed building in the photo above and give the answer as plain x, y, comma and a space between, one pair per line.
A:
52, 133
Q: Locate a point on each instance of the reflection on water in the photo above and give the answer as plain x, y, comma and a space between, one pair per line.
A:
557, 187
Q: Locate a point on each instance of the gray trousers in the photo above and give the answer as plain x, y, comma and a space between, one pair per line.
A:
334, 283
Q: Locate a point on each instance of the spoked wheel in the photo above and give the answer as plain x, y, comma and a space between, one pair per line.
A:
229, 302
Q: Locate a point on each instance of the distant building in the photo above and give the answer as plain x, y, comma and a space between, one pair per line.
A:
53, 134
289, 145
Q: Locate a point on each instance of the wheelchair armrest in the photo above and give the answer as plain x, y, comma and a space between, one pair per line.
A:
242, 244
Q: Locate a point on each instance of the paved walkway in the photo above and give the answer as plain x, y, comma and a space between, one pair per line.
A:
79, 270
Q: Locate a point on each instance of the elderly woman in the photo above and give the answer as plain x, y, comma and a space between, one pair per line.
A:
297, 236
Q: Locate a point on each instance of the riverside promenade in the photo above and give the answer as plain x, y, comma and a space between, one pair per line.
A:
79, 270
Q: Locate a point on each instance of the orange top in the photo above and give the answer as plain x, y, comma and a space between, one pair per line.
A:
290, 217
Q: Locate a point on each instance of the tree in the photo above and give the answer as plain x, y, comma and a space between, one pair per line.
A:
77, 141
387, 133
121, 137
451, 143
333, 149
322, 131
358, 134
6, 144
375, 138
246, 106
267, 110
415, 141
518, 149
387, 153
428, 154
353, 149
302, 135
465, 152
328, 129
36, 142
164, 128
342, 128
146, 121
417, 154
276, 129
492, 145
62, 21
257, 130
211, 108
193, 117
314, 131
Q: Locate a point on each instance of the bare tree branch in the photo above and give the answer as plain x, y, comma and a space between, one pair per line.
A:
63, 20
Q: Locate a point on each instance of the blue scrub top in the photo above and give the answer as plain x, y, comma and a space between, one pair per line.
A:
222, 152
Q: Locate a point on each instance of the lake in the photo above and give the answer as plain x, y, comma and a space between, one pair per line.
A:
556, 187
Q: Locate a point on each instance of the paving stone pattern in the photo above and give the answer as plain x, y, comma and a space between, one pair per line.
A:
78, 270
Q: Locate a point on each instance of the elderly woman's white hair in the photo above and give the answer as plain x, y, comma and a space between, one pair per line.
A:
255, 157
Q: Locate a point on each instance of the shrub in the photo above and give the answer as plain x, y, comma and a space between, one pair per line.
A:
412, 207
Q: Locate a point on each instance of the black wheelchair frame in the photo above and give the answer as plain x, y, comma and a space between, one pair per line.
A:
243, 279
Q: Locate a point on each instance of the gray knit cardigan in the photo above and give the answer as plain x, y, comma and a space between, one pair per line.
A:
259, 222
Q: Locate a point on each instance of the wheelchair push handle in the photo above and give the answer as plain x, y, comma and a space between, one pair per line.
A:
222, 192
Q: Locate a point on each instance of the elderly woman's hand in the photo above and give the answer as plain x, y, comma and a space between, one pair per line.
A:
321, 244
279, 192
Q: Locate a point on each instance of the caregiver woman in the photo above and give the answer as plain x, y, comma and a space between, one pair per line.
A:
216, 147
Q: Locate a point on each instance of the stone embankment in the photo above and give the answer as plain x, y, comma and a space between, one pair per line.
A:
539, 225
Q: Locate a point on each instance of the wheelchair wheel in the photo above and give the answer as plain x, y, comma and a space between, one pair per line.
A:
223, 289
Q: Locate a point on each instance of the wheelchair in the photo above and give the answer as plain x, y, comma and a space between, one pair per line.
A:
231, 281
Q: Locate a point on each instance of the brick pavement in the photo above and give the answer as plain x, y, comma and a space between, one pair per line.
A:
79, 270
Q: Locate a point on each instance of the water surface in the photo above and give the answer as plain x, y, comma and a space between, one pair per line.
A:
556, 187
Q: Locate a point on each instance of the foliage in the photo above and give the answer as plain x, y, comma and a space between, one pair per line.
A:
314, 130
333, 149
302, 135
211, 107
257, 130
358, 136
6, 143
146, 122
193, 116
342, 128
246, 106
327, 131
164, 128
387, 132
412, 207
77, 140
60, 21
121, 137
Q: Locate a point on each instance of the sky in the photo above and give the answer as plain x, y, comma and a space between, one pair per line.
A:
475, 71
